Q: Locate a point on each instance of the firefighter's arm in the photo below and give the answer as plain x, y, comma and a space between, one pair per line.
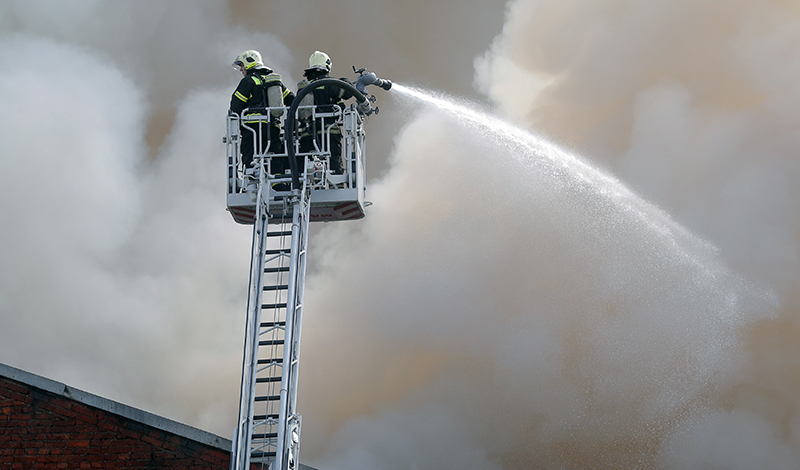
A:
288, 96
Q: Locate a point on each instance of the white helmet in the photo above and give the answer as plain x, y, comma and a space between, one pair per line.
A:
248, 60
320, 61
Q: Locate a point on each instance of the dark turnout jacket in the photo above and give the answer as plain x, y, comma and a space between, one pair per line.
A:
327, 95
252, 91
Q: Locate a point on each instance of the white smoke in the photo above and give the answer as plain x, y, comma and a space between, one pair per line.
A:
70, 187
122, 273
491, 311
547, 312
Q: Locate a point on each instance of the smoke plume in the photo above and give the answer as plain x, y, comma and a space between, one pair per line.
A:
694, 106
626, 298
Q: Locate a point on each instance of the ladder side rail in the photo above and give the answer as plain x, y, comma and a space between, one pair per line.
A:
361, 156
347, 147
297, 326
232, 141
354, 146
294, 419
251, 133
350, 145
335, 121
268, 117
319, 123
260, 140
309, 119
256, 136
288, 419
319, 116
284, 111
242, 445
296, 130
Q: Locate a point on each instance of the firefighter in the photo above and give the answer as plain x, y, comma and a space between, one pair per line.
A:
324, 98
259, 88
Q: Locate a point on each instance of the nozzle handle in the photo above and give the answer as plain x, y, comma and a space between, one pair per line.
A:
372, 79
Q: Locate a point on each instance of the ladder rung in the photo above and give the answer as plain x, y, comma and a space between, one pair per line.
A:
261, 455
280, 287
263, 380
277, 360
270, 342
269, 435
280, 269
279, 234
278, 251
272, 324
268, 398
264, 417
273, 306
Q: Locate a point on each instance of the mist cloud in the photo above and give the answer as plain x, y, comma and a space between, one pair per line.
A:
503, 305
110, 260
575, 322
682, 101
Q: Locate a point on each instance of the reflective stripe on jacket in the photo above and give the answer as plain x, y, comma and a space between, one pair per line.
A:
251, 92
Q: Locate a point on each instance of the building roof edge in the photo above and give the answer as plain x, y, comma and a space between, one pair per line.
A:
135, 414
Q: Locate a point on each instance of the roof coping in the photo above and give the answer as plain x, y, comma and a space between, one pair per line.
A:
119, 409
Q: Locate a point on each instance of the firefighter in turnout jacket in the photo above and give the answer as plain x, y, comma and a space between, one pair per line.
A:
260, 88
325, 98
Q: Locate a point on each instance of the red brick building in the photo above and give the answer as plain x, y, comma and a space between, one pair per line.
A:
48, 425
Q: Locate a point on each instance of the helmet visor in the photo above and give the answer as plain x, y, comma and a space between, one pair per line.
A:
237, 65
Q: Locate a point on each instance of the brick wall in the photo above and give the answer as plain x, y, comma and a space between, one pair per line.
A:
40, 429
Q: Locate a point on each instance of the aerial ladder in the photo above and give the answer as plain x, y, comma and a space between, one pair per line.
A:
280, 208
